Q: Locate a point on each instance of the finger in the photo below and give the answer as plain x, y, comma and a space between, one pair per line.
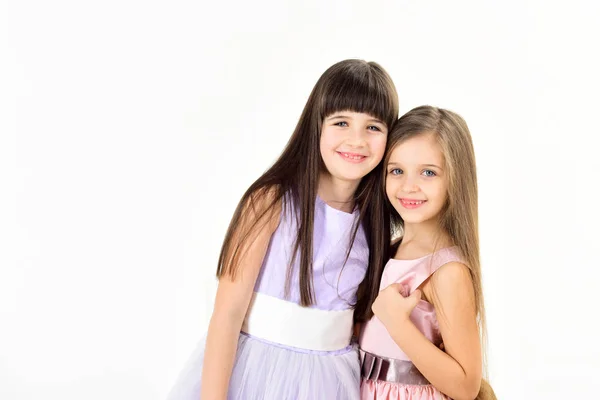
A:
401, 288
417, 294
396, 286
414, 298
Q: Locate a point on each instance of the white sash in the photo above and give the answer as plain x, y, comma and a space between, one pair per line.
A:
290, 324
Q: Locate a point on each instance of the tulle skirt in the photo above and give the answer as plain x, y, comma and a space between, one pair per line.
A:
268, 371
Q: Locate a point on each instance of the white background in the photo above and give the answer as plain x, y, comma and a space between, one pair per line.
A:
129, 129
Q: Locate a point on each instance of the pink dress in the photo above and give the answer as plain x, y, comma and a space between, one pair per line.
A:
387, 373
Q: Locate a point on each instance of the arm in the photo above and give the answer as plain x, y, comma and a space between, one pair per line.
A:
231, 304
457, 371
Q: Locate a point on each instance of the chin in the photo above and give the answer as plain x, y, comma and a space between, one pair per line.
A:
413, 218
350, 178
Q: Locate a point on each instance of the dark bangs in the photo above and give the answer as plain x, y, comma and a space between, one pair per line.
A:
360, 87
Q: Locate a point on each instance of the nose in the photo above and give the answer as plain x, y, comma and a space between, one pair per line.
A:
409, 184
356, 136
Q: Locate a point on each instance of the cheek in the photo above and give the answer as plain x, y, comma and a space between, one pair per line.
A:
441, 194
377, 146
327, 141
390, 189
324, 145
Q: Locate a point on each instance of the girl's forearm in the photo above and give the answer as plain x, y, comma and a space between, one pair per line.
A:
440, 369
219, 356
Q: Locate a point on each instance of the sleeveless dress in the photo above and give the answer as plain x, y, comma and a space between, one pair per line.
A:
286, 351
387, 373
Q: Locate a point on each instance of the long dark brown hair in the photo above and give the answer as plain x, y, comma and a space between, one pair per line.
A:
459, 217
349, 85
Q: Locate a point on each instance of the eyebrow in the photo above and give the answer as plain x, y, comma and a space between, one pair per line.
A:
422, 165
335, 116
432, 165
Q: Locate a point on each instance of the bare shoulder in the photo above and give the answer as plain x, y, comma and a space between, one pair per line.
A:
450, 283
249, 233
263, 206
453, 273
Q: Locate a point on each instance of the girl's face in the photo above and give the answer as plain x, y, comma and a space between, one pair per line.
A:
416, 183
352, 144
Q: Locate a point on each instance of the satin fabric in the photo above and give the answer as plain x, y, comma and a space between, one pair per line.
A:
375, 339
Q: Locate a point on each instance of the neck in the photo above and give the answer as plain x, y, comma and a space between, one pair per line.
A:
337, 193
427, 234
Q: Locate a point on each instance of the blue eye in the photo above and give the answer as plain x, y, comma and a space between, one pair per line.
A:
429, 173
341, 123
373, 128
395, 171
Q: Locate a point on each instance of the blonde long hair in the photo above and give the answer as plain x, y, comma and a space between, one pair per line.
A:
459, 217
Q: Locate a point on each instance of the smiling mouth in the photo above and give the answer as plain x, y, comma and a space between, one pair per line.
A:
352, 157
412, 203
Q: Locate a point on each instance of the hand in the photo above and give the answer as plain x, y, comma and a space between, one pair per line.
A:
391, 307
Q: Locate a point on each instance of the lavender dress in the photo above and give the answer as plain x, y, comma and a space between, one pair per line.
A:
268, 370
